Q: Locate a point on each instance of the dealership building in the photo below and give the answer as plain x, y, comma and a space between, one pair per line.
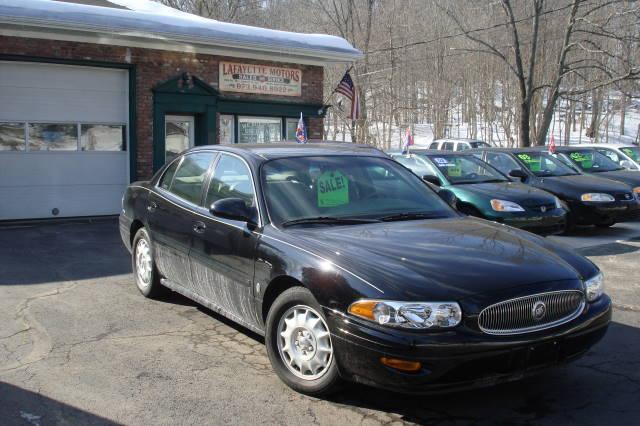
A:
95, 94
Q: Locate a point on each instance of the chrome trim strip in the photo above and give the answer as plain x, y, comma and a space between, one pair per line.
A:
540, 327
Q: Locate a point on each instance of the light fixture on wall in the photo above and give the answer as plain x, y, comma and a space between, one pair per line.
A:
185, 80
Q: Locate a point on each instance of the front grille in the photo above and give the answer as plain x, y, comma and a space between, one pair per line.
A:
544, 207
623, 196
531, 313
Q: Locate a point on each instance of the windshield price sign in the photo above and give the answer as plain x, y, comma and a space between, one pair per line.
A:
532, 163
333, 189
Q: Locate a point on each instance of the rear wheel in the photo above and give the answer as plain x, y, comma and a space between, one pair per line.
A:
144, 267
299, 343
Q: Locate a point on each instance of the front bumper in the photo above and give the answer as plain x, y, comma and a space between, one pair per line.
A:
454, 360
586, 213
548, 223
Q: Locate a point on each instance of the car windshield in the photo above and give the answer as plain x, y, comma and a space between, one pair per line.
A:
632, 152
328, 189
464, 169
543, 164
416, 164
591, 161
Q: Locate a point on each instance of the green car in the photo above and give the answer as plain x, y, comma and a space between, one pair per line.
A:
484, 192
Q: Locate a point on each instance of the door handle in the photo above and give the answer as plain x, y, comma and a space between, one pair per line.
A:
199, 227
152, 207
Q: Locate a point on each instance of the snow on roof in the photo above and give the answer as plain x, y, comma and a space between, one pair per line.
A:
144, 23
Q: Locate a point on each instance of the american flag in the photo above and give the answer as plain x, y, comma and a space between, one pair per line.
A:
348, 89
407, 141
552, 145
301, 131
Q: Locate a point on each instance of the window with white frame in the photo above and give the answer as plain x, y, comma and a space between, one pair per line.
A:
227, 129
259, 129
34, 137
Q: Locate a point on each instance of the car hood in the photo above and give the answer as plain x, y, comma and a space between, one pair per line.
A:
510, 191
630, 177
442, 259
572, 187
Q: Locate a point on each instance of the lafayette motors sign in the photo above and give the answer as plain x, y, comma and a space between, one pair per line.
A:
262, 79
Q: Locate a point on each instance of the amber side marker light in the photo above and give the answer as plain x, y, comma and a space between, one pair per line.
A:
401, 364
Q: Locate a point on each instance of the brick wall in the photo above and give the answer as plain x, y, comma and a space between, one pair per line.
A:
156, 66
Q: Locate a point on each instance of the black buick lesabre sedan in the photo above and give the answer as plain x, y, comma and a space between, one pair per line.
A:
353, 268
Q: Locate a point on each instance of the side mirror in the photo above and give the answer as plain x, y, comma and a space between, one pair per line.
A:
449, 198
234, 209
435, 180
626, 164
517, 173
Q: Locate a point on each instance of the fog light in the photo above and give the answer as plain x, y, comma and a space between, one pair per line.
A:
401, 364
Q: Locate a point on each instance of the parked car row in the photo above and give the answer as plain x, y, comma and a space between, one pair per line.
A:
575, 186
354, 268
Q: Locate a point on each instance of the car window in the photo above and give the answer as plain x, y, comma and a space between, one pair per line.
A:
543, 164
416, 165
461, 146
631, 152
345, 187
448, 146
231, 179
613, 156
165, 182
189, 178
478, 144
503, 162
462, 169
591, 161
434, 145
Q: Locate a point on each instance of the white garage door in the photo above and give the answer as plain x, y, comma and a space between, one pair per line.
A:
63, 140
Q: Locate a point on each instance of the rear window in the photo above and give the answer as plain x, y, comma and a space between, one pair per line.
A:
189, 179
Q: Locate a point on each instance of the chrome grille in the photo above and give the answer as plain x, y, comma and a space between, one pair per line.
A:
517, 316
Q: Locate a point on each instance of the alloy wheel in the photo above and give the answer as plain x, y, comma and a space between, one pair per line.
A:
304, 342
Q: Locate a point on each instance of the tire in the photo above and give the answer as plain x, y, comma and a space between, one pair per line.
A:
569, 226
469, 210
605, 224
144, 268
299, 303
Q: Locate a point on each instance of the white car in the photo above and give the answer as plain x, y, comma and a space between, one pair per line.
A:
457, 144
626, 155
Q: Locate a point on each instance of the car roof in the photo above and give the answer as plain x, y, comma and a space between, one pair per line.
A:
427, 151
270, 151
608, 145
458, 140
506, 150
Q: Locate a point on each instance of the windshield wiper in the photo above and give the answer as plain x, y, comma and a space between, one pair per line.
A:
410, 216
328, 220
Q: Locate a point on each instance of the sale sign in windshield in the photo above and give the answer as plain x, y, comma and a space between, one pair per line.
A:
261, 79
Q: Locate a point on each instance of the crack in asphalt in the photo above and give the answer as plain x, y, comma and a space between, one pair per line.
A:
40, 339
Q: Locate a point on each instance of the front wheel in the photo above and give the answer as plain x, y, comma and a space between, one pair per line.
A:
299, 343
607, 224
144, 267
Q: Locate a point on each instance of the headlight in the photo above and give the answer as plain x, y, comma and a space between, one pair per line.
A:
558, 203
420, 315
597, 197
505, 206
594, 287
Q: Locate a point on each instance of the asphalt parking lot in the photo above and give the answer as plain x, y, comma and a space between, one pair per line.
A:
80, 345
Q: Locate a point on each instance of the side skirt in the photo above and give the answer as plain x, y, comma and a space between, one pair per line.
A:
201, 300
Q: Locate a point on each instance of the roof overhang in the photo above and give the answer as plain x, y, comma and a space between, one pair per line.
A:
20, 22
